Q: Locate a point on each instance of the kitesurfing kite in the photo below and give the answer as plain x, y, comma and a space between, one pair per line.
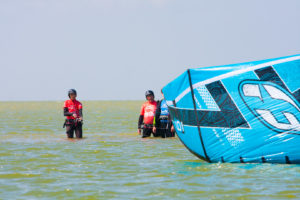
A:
248, 112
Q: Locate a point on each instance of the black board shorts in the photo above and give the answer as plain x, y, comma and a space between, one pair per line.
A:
164, 130
147, 131
72, 127
164, 133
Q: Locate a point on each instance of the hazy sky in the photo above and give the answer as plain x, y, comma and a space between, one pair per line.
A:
117, 49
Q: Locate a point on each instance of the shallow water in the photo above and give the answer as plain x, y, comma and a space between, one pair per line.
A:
113, 162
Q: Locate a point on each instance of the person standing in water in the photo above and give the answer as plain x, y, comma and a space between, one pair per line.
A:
73, 113
162, 122
147, 115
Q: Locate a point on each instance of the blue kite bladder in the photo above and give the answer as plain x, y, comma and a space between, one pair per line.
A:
248, 112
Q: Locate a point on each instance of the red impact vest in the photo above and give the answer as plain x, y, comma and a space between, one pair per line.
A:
148, 111
73, 107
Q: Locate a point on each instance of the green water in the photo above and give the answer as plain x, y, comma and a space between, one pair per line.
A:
113, 162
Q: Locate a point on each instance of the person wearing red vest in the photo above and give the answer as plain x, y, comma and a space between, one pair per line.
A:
73, 114
147, 115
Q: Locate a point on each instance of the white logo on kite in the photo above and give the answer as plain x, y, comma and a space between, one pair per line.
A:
272, 105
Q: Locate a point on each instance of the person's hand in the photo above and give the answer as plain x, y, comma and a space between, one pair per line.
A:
172, 129
81, 119
154, 129
74, 115
139, 131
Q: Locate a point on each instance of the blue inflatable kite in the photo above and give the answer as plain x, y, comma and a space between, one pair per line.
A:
247, 112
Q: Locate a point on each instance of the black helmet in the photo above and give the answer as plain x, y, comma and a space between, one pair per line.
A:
72, 91
149, 92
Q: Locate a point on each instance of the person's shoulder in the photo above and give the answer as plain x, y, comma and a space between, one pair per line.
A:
78, 102
67, 101
158, 103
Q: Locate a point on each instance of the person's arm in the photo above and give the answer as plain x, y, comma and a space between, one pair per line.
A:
157, 115
156, 122
66, 109
141, 119
172, 128
140, 122
80, 113
66, 112
171, 124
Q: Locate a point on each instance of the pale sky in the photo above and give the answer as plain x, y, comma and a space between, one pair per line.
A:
117, 49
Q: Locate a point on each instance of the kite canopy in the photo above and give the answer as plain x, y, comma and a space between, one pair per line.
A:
248, 112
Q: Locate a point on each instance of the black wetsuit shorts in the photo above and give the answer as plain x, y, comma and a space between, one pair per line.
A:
147, 131
164, 130
71, 127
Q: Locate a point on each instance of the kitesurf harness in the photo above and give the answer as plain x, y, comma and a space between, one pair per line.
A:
162, 116
73, 122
